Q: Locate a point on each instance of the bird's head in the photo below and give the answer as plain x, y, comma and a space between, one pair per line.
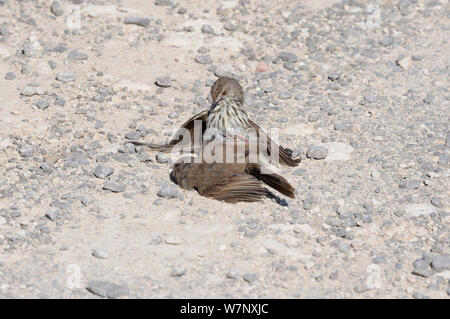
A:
226, 88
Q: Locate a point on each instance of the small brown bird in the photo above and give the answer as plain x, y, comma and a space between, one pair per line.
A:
226, 115
229, 182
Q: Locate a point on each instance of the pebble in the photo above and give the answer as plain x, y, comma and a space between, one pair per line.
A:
288, 57
229, 26
404, 62
99, 253
46, 168
75, 55
103, 171
251, 277
262, 67
56, 9
26, 151
206, 28
317, 152
313, 117
173, 240
107, 289
440, 262
52, 213
142, 22
415, 210
168, 191
203, 59
114, 186
133, 136
164, 82
386, 41
435, 201
177, 271
10, 76
41, 104
233, 274
31, 90
285, 95
162, 158
66, 76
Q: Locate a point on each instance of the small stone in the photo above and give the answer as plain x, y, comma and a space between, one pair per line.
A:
285, 95
440, 262
163, 2
133, 136
415, 210
41, 104
114, 186
177, 272
262, 67
107, 289
313, 117
168, 191
206, 28
250, 277
142, 22
288, 57
233, 274
164, 82
404, 62
103, 171
4, 29
173, 240
386, 41
162, 158
52, 213
31, 90
422, 268
10, 76
56, 9
203, 59
46, 168
99, 253
317, 152
66, 76
229, 26
369, 98
76, 56
334, 76
435, 201
156, 240
26, 151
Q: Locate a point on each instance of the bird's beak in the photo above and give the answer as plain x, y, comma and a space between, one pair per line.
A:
214, 104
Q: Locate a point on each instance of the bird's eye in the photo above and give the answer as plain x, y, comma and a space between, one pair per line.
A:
224, 92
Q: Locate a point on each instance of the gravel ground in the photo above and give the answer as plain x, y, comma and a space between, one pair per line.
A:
358, 88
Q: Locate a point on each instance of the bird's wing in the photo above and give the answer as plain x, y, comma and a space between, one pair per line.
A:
271, 179
188, 127
284, 155
234, 188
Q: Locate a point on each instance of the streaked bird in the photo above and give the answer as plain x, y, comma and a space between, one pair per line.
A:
226, 116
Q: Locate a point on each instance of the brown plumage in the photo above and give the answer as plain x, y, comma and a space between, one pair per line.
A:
229, 182
226, 114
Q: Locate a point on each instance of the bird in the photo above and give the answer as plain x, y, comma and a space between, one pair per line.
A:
236, 181
225, 116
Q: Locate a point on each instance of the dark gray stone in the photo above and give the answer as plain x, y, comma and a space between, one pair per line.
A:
142, 22
107, 289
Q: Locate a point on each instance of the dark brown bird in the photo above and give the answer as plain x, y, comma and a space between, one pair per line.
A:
229, 182
226, 115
